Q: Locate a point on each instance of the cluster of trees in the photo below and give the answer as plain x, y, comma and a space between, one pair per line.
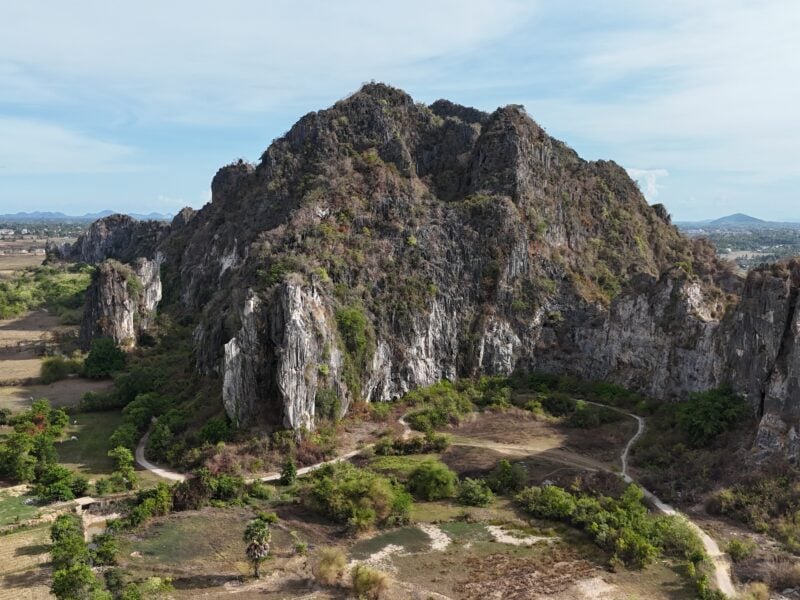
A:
72, 561
104, 359
60, 289
357, 497
28, 454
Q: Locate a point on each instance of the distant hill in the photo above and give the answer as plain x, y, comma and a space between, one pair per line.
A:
59, 216
736, 219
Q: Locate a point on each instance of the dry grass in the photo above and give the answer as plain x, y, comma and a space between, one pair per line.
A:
20, 341
9, 263
330, 566
24, 573
368, 582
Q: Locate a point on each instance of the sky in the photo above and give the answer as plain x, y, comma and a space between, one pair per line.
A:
134, 106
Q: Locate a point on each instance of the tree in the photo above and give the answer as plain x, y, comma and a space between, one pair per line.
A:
433, 481
124, 475
475, 492
104, 358
57, 483
507, 478
74, 581
257, 537
289, 472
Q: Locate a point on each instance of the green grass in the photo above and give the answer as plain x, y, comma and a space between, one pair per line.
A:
13, 509
400, 466
89, 453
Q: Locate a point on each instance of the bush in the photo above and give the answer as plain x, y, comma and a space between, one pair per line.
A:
328, 405
443, 403
358, 497
288, 472
507, 478
215, 431
56, 368
475, 492
740, 550
705, 415
369, 582
433, 481
431, 442
260, 491
622, 525
380, 411
104, 358
99, 401
330, 566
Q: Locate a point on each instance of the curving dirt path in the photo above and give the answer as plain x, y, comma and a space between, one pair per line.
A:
156, 470
722, 565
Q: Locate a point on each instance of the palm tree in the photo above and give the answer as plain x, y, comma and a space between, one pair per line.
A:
257, 535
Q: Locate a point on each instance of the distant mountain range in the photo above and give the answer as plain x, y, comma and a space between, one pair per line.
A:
736, 221
59, 216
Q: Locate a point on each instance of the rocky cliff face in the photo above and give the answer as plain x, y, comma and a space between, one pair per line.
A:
382, 245
121, 300
117, 236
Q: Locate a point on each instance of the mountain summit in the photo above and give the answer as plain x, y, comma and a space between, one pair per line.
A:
382, 245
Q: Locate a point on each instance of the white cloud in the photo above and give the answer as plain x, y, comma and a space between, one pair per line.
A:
202, 61
36, 147
703, 86
648, 180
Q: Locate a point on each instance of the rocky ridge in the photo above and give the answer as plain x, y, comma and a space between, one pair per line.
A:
382, 245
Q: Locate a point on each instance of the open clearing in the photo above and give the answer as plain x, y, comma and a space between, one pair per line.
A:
62, 394
88, 454
447, 551
22, 341
9, 263
13, 509
24, 574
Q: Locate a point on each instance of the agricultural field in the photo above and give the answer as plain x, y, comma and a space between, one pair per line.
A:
23, 341
24, 573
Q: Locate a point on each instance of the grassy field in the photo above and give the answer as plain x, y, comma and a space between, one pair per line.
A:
24, 574
192, 543
14, 509
19, 338
62, 394
9, 263
88, 454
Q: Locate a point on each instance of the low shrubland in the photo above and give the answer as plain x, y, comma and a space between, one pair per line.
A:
59, 289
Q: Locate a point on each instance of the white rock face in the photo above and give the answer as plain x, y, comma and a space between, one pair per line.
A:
239, 392
283, 355
122, 300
